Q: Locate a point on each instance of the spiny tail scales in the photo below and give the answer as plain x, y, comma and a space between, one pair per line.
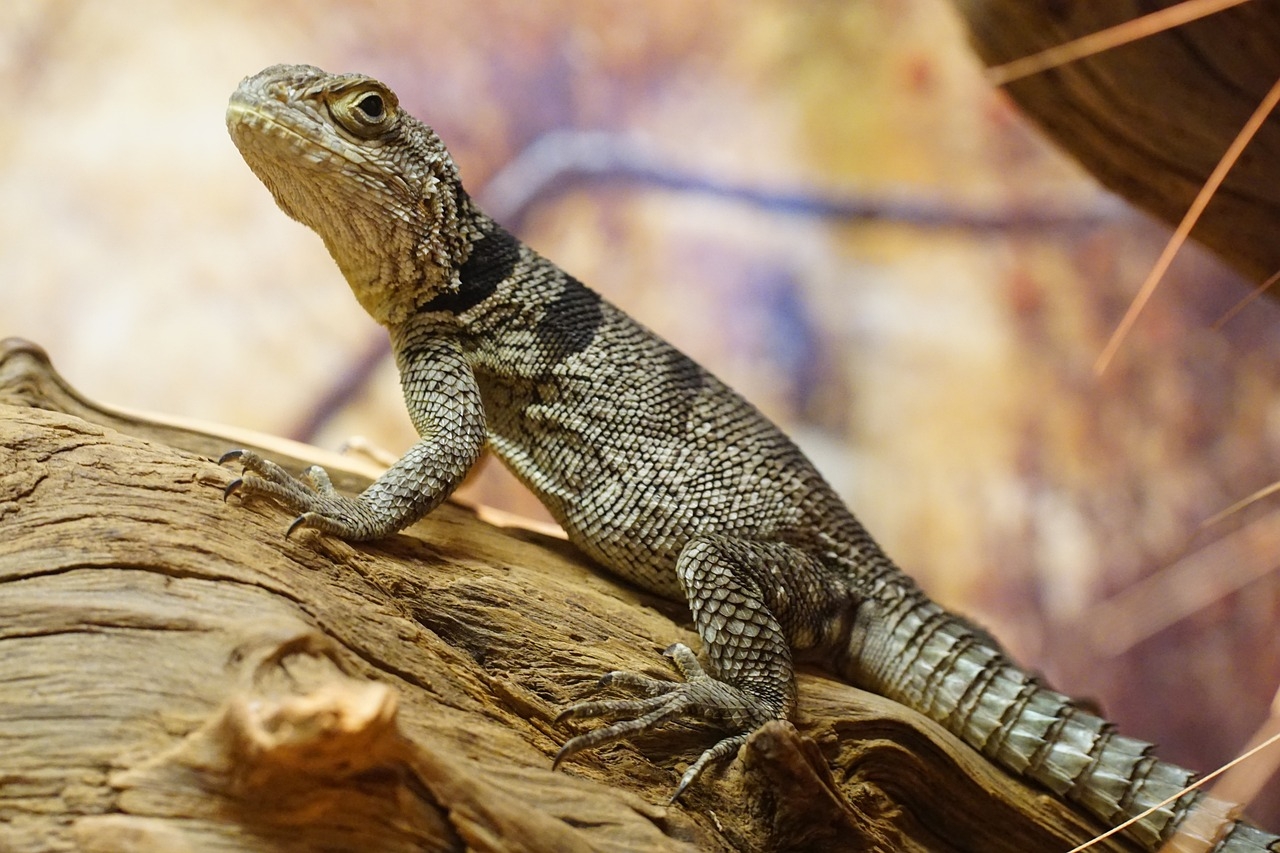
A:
929, 660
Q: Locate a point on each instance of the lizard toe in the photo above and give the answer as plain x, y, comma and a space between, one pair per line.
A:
700, 697
721, 751
651, 712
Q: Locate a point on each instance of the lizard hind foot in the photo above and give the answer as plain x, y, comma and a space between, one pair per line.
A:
700, 696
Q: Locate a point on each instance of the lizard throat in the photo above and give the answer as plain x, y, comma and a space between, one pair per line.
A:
384, 245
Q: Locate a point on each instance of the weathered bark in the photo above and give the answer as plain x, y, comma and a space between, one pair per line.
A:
176, 675
1152, 118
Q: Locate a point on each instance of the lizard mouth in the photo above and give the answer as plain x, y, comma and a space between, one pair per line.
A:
250, 122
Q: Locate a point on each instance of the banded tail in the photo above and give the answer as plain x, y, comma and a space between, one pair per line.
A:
916, 653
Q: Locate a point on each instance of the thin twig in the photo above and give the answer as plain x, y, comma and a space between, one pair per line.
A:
1184, 587
1240, 504
1216, 177
1193, 786
1129, 31
1240, 306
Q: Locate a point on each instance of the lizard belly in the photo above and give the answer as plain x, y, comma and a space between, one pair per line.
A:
633, 484
614, 519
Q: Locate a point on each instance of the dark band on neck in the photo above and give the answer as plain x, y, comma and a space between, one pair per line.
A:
493, 258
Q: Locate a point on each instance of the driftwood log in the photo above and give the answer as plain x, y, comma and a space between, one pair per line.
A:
1152, 118
175, 675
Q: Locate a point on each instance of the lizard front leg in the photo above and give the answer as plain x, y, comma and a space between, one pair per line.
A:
444, 404
752, 604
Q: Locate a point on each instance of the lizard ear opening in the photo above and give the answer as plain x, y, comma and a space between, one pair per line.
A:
365, 110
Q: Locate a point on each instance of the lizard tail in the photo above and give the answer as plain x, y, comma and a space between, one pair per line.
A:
954, 673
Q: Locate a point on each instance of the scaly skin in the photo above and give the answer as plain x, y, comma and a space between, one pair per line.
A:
654, 467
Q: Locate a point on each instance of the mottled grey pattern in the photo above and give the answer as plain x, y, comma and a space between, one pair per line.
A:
654, 467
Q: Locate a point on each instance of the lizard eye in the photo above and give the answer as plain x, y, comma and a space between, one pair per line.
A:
371, 106
365, 110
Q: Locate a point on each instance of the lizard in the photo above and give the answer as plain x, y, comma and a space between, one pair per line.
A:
655, 469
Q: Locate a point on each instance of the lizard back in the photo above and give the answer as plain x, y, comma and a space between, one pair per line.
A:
633, 447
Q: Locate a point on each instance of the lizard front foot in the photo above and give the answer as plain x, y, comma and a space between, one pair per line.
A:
311, 494
700, 695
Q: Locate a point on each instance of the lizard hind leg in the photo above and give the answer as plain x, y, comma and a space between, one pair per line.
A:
748, 636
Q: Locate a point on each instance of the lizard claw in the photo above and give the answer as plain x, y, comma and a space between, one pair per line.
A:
234, 485
230, 455
304, 520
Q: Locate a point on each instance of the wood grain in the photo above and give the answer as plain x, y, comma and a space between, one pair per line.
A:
1152, 118
175, 675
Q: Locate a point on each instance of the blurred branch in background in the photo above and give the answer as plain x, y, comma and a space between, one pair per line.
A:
561, 161
1198, 579
565, 160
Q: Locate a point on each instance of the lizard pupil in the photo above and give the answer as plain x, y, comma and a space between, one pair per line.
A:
371, 105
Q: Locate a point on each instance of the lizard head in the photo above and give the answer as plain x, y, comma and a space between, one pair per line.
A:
376, 184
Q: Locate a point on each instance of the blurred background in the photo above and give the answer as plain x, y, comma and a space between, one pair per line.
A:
823, 202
